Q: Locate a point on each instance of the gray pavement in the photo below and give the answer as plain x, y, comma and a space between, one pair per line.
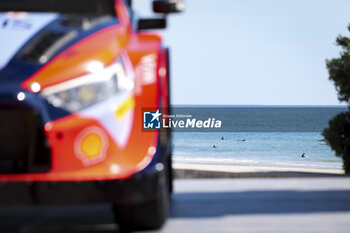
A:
213, 205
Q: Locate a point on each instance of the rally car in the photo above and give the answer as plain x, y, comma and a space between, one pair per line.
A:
75, 78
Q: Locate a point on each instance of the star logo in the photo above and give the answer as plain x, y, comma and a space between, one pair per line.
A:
156, 115
151, 120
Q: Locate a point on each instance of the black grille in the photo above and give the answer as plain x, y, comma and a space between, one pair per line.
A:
84, 21
23, 145
45, 45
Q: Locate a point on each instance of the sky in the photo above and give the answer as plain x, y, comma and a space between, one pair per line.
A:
253, 52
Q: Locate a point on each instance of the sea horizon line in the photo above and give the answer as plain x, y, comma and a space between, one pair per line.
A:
258, 106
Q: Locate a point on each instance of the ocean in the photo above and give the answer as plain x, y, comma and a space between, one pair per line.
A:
259, 136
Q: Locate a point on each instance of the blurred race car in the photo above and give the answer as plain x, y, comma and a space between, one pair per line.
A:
75, 77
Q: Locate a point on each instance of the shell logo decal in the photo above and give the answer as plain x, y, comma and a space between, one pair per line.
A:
91, 146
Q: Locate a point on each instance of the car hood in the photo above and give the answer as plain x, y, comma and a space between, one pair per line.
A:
51, 47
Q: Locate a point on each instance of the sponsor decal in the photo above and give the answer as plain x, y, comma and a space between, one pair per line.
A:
147, 69
91, 146
16, 20
17, 15
124, 108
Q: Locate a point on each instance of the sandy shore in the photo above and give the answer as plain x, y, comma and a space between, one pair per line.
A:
197, 170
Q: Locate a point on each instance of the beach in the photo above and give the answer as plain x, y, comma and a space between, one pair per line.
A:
201, 170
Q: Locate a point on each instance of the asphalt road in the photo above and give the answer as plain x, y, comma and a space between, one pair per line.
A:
213, 205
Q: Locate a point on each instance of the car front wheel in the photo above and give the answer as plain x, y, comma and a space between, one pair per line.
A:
144, 216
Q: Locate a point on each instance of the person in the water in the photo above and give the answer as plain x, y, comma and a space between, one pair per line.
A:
303, 155
214, 146
222, 138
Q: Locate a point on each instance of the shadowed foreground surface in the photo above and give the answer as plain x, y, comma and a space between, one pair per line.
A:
213, 205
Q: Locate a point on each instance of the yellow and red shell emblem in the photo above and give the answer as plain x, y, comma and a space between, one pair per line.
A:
91, 146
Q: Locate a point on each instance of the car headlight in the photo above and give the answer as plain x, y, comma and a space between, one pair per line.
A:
90, 89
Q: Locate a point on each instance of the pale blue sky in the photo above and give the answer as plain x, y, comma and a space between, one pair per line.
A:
254, 52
